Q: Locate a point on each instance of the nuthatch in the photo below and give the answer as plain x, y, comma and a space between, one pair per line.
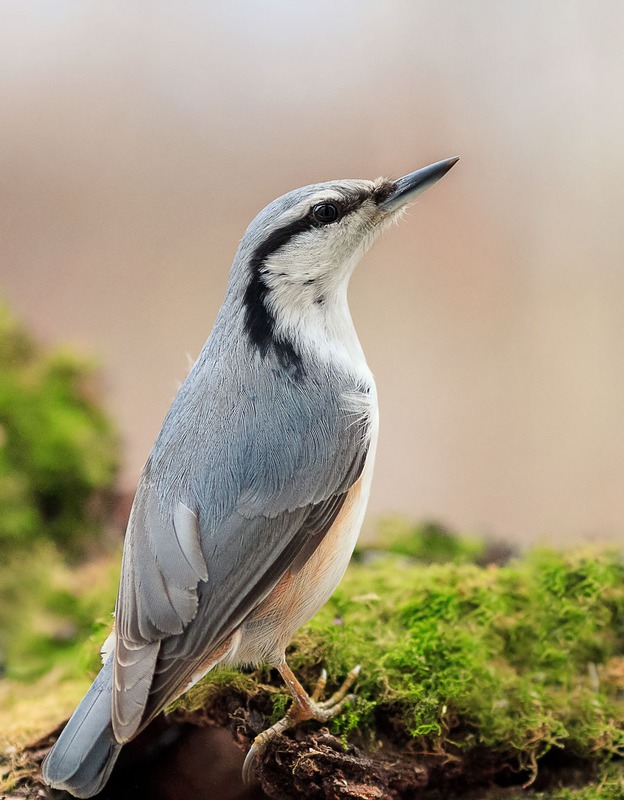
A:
251, 501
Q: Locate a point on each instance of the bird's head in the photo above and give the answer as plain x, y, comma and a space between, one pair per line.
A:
299, 252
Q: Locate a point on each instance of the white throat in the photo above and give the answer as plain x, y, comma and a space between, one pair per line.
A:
315, 317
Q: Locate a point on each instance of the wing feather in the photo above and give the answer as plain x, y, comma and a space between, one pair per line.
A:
133, 674
162, 565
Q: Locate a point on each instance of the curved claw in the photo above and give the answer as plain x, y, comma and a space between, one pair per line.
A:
249, 765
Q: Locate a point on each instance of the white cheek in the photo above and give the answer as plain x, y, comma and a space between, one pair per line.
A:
326, 256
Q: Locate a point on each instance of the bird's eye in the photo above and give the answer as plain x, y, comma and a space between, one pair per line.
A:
324, 213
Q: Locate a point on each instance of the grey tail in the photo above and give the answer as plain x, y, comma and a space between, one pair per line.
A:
84, 755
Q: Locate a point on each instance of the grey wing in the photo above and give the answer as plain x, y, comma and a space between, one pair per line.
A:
161, 568
194, 571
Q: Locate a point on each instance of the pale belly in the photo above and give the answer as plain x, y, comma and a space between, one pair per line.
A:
299, 595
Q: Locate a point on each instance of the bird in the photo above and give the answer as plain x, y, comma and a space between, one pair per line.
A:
250, 503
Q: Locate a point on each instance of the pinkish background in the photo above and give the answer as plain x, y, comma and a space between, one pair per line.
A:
137, 140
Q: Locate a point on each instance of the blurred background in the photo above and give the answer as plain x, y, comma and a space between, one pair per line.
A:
137, 140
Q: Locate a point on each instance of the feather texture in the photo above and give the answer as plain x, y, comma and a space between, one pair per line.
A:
219, 518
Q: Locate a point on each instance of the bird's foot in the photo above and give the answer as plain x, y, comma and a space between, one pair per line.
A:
304, 707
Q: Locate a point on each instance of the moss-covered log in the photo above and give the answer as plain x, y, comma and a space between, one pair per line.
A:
507, 680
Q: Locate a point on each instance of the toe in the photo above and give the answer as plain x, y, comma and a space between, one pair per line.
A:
320, 686
322, 712
341, 694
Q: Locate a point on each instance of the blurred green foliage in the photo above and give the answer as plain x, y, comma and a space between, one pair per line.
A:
58, 450
430, 542
65, 619
58, 460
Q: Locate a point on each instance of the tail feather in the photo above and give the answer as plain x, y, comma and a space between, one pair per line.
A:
84, 755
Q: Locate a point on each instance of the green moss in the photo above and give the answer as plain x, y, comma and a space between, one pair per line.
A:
517, 659
430, 542
511, 661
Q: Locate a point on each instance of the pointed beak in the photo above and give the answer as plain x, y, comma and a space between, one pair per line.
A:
409, 186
